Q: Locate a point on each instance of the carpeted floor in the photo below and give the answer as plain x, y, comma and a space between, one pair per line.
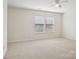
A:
42, 49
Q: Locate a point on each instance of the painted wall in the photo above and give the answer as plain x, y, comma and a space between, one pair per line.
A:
69, 22
5, 27
21, 25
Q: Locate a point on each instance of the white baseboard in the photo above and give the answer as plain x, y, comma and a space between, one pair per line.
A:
4, 51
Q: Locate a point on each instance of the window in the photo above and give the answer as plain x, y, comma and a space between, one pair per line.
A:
49, 24
39, 23
44, 24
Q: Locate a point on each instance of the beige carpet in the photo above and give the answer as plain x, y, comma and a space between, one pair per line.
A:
42, 49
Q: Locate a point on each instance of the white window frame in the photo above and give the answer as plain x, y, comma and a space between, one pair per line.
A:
44, 29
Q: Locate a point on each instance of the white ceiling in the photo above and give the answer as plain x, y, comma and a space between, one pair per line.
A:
40, 4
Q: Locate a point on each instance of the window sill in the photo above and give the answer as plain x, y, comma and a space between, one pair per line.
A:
43, 32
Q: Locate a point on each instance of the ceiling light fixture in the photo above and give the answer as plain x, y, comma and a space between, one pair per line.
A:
58, 3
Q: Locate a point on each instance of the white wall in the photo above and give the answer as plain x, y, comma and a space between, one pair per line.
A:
69, 22
21, 26
5, 27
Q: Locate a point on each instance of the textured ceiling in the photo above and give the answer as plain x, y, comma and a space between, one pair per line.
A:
40, 4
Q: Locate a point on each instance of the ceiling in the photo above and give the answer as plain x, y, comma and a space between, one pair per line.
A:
41, 5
